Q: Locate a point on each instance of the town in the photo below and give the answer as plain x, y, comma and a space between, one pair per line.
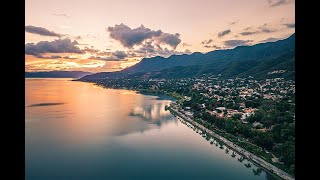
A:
257, 115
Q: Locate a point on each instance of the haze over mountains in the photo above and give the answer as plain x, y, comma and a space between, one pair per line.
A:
259, 61
56, 74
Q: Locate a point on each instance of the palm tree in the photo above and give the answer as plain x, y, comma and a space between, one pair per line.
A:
233, 154
248, 165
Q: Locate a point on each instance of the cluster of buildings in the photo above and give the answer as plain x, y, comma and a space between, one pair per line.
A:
231, 96
218, 96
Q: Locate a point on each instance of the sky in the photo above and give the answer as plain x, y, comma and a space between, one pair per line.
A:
110, 35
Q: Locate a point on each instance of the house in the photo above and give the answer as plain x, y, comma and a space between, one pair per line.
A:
203, 105
244, 122
188, 108
249, 110
221, 108
257, 124
232, 112
242, 105
245, 116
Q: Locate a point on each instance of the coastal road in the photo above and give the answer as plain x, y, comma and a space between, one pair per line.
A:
242, 151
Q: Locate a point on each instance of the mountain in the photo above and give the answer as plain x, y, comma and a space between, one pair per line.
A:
257, 69
241, 53
253, 60
56, 74
283, 62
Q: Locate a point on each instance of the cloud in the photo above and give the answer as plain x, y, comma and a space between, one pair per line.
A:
207, 41
223, 33
149, 49
111, 58
246, 33
234, 22
290, 25
274, 3
270, 40
91, 50
187, 51
103, 55
212, 46
266, 30
68, 57
48, 57
120, 54
56, 46
60, 14
106, 56
116, 56
171, 39
185, 44
129, 37
234, 43
261, 29
41, 31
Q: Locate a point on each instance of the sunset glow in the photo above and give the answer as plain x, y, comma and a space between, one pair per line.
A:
97, 36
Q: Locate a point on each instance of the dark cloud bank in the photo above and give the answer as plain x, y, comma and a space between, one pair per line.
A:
56, 46
41, 31
130, 37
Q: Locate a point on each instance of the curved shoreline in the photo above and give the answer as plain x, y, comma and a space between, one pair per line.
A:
253, 158
250, 156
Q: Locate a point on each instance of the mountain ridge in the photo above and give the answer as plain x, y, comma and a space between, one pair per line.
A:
218, 61
258, 51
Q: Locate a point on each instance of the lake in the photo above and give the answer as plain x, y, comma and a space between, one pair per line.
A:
78, 130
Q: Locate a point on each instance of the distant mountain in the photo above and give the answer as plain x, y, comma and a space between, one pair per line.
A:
258, 69
253, 60
218, 57
56, 74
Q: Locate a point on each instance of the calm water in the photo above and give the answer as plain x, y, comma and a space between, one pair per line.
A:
76, 130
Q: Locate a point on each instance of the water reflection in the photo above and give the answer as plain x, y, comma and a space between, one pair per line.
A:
213, 140
154, 113
72, 112
115, 134
44, 104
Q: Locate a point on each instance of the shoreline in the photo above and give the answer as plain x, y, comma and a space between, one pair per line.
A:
248, 155
283, 175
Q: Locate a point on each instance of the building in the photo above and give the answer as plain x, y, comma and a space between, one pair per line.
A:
257, 124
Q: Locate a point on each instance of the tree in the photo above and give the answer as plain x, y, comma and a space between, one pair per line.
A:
287, 151
230, 126
236, 116
220, 123
267, 121
264, 140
